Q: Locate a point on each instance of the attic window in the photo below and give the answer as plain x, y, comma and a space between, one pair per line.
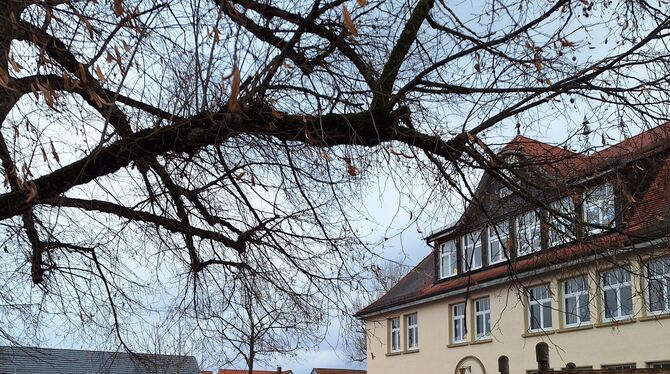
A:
509, 161
599, 207
560, 222
503, 192
448, 259
472, 251
527, 233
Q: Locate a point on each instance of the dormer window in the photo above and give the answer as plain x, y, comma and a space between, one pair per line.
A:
561, 230
528, 238
472, 251
448, 259
503, 192
498, 236
599, 207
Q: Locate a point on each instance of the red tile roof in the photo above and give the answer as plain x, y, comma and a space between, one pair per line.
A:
649, 219
244, 371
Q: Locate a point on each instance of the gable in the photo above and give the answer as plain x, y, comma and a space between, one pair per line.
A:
642, 203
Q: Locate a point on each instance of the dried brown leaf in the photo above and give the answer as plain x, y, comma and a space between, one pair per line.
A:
118, 7
15, 65
81, 72
567, 43
362, 3
351, 169
53, 152
537, 61
348, 22
99, 73
4, 78
233, 104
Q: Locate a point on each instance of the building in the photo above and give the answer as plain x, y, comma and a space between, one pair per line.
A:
24, 360
336, 371
555, 246
245, 371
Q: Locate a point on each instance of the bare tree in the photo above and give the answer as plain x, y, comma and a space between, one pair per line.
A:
383, 276
262, 326
155, 150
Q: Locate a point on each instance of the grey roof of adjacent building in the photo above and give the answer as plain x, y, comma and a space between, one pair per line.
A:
19, 360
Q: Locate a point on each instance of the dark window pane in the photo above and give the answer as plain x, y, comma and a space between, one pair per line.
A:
570, 310
546, 311
584, 314
626, 301
610, 304
656, 302
535, 317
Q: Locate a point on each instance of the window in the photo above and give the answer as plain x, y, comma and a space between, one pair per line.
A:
458, 317
395, 334
619, 366
580, 368
448, 260
616, 294
599, 207
472, 251
527, 233
498, 236
658, 286
659, 365
412, 332
482, 318
539, 301
576, 302
503, 192
560, 228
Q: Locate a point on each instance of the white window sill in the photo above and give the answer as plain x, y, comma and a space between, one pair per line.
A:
617, 319
658, 313
542, 332
577, 325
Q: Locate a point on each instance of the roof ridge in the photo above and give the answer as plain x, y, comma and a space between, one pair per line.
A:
22, 347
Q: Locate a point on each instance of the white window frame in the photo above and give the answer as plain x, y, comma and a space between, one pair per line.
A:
658, 365
477, 247
523, 230
560, 229
485, 316
590, 202
577, 296
395, 343
541, 303
412, 331
498, 233
665, 279
627, 366
503, 192
460, 320
451, 255
617, 288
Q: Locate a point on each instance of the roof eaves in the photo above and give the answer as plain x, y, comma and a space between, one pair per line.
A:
423, 299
